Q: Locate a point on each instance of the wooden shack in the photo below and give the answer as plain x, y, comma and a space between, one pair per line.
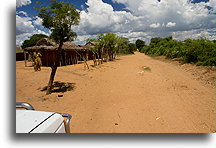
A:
71, 53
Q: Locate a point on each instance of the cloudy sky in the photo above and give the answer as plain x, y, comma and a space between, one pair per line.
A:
134, 19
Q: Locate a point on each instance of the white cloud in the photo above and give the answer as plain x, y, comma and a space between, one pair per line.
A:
133, 36
170, 24
25, 36
23, 25
81, 39
23, 13
212, 4
187, 15
170, 16
155, 25
20, 3
168, 13
100, 17
195, 34
38, 21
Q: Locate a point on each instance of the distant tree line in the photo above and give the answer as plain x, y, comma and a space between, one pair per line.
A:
199, 52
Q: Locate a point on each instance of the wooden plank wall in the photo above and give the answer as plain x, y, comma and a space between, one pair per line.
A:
71, 57
49, 58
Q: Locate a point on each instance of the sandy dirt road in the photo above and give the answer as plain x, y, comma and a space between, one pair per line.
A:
122, 97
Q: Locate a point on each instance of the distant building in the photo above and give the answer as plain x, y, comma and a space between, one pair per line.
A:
90, 43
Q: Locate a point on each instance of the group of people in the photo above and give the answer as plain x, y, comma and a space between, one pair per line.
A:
37, 60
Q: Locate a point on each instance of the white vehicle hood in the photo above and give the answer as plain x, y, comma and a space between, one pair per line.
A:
30, 121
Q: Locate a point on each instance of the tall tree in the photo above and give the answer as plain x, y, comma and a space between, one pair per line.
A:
59, 17
110, 40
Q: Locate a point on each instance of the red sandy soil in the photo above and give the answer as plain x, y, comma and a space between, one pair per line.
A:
122, 97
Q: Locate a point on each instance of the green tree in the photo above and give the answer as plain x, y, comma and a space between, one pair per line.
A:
122, 45
108, 42
91, 40
139, 44
109, 45
59, 17
101, 46
33, 40
132, 47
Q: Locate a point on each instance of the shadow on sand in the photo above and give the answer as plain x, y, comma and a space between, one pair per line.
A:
60, 87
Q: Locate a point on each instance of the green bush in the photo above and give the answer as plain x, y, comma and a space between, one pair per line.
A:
200, 52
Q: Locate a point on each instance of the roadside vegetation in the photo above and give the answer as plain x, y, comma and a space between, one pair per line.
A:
111, 45
108, 46
199, 52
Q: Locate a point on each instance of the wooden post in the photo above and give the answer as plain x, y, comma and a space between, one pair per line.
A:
32, 58
86, 64
25, 58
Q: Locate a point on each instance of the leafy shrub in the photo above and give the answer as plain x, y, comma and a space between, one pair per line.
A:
201, 51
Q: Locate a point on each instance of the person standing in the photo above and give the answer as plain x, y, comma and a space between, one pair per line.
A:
37, 60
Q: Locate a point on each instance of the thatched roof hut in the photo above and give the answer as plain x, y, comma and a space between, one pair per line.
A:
71, 53
90, 44
47, 44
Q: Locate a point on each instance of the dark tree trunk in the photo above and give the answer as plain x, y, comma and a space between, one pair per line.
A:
54, 69
50, 84
94, 59
60, 60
